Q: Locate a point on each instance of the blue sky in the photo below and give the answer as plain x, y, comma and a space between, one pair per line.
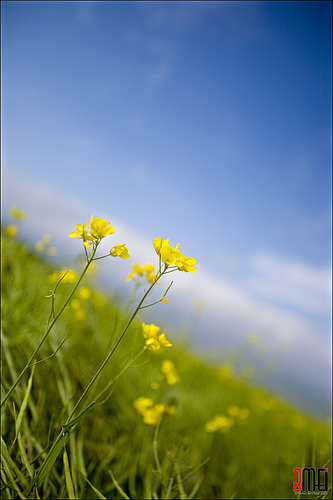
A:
208, 123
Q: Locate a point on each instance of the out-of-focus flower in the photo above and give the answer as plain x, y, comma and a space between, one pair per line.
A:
152, 413
84, 293
153, 342
224, 372
219, 423
252, 339
147, 269
11, 231
16, 213
239, 414
170, 372
44, 246
141, 404
120, 251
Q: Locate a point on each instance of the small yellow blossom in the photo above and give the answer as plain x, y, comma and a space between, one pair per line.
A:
169, 370
16, 213
240, 414
153, 342
11, 231
186, 263
165, 251
147, 269
172, 255
224, 372
154, 385
81, 232
44, 245
152, 413
84, 293
80, 314
141, 404
120, 251
219, 423
99, 228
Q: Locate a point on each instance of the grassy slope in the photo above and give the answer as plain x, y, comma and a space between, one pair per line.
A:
254, 459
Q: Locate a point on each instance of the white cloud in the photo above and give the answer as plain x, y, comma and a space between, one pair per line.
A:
291, 283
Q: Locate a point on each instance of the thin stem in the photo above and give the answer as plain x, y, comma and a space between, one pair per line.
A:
41, 342
112, 350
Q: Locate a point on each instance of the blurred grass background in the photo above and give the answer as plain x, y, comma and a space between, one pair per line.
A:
252, 456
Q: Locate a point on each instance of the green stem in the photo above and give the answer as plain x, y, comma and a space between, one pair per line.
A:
113, 349
3, 402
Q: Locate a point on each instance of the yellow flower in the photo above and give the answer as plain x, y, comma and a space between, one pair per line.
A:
81, 232
185, 263
120, 251
152, 342
152, 413
99, 228
240, 414
147, 269
219, 423
11, 231
169, 370
172, 255
84, 293
165, 251
16, 213
141, 404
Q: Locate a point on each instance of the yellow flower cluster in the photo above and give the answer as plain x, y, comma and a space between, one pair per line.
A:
147, 269
44, 246
16, 213
169, 370
11, 231
223, 423
152, 413
154, 343
172, 256
219, 423
99, 228
239, 414
84, 293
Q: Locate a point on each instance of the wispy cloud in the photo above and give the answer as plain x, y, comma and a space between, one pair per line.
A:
291, 283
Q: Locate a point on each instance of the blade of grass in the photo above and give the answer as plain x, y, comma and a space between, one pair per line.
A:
68, 477
8, 460
182, 493
24, 403
51, 458
98, 493
24, 456
11, 478
119, 488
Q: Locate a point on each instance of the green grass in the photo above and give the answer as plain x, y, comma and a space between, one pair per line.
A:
111, 453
